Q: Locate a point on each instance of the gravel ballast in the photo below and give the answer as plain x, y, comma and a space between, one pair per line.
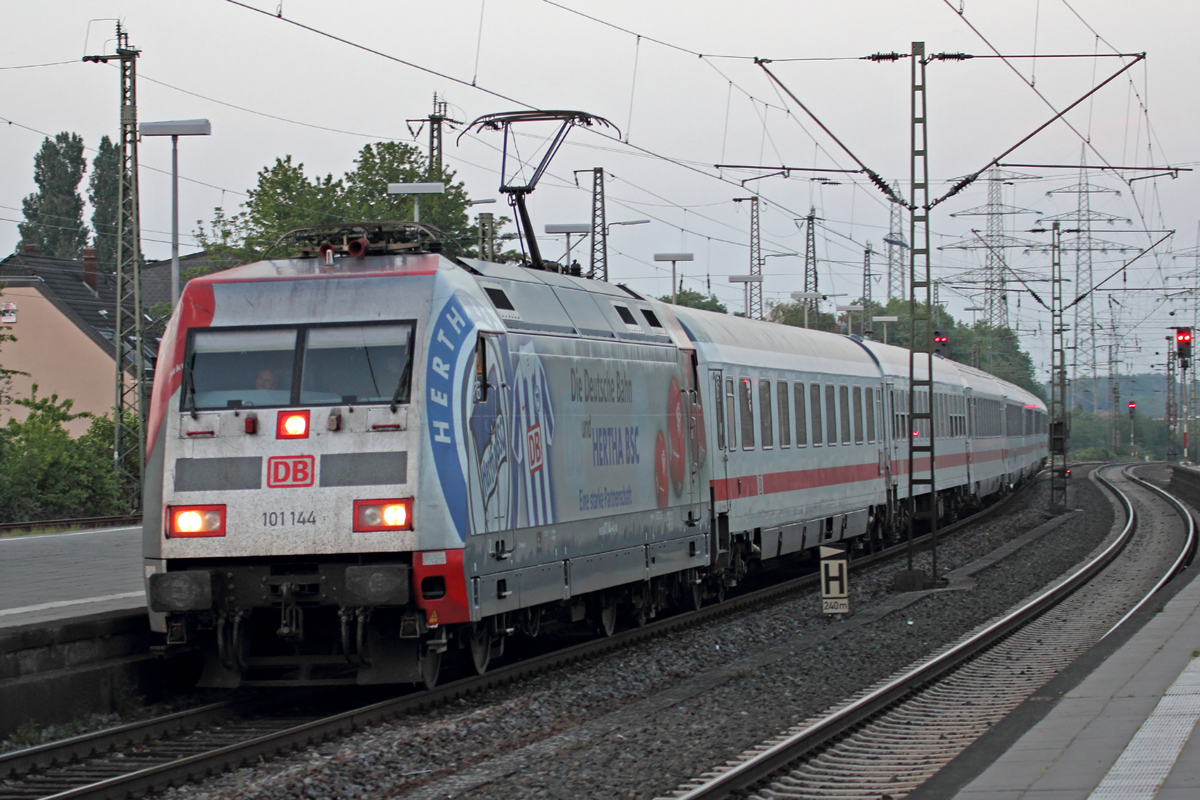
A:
638, 722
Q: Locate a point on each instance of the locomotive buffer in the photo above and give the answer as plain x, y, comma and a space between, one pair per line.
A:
835, 580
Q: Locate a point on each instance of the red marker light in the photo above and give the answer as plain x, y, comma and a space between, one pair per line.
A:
383, 515
292, 425
189, 521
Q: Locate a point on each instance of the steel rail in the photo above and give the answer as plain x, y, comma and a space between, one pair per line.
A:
1185, 556
112, 521
233, 756
775, 758
97, 743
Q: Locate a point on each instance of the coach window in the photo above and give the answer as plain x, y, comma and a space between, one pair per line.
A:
831, 431
818, 438
764, 410
730, 414
844, 394
747, 400
785, 419
858, 415
801, 415
870, 414
896, 426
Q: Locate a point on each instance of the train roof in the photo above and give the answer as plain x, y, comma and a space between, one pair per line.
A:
557, 303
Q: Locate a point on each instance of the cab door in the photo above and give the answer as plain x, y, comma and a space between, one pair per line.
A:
718, 442
969, 410
890, 444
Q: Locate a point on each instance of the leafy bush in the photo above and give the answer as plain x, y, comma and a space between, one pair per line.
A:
45, 474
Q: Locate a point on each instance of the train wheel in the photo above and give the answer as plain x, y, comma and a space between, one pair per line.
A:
607, 617
481, 646
696, 595
641, 607
431, 666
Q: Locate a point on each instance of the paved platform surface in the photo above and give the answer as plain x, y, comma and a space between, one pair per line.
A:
1125, 731
56, 576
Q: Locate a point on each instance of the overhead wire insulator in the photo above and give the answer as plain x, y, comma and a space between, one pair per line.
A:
877, 57
883, 186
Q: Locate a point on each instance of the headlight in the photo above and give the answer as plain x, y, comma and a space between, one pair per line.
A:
194, 521
383, 515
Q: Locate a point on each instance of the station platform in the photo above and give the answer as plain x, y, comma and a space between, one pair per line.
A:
1119, 723
54, 577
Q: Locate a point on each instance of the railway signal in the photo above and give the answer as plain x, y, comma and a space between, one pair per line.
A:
1132, 408
1183, 349
941, 343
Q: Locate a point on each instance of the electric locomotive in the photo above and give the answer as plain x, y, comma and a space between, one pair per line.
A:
371, 453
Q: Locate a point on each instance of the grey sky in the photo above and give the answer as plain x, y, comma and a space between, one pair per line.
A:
696, 111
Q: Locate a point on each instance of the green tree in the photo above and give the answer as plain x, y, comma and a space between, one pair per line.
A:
693, 299
54, 213
1089, 436
286, 198
103, 191
790, 313
45, 474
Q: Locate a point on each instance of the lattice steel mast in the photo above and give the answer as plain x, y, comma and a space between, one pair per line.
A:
1084, 312
1172, 409
1058, 375
810, 257
896, 245
868, 313
129, 422
920, 305
994, 244
599, 265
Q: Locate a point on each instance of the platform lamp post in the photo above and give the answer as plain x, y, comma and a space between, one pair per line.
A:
804, 298
746, 280
673, 257
885, 321
569, 228
849, 317
625, 222
416, 190
175, 129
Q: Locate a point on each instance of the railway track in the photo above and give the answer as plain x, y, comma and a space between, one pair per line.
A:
141, 757
67, 524
891, 738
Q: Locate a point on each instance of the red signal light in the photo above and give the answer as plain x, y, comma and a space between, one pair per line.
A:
292, 425
1132, 406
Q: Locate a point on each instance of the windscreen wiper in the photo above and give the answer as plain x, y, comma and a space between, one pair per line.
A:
189, 392
403, 386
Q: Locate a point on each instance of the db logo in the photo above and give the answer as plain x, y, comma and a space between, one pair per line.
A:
533, 447
288, 471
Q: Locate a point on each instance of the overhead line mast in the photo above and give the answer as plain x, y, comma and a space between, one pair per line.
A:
920, 305
129, 417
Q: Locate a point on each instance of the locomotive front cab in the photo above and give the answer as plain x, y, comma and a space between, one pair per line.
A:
289, 515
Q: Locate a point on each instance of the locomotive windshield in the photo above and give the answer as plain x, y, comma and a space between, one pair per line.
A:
256, 367
359, 364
